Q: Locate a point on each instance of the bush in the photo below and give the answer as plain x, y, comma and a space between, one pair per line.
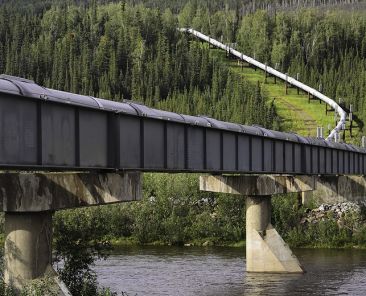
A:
80, 238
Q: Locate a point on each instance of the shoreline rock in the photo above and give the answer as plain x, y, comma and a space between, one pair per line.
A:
336, 211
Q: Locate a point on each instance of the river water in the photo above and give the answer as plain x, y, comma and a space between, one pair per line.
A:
195, 271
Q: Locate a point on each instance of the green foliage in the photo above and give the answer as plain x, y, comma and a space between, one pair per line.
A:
325, 48
41, 287
79, 240
285, 212
286, 216
174, 211
127, 52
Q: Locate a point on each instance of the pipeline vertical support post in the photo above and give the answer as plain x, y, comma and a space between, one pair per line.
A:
265, 73
344, 132
320, 90
350, 121
275, 78
286, 86
255, 68
328, 109
336, 137
297, 78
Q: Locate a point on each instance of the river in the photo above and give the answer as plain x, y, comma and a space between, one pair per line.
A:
188, 271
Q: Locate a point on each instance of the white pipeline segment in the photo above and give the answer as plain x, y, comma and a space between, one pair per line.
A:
284, 77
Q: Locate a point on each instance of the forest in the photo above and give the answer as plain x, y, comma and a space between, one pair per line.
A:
131, 50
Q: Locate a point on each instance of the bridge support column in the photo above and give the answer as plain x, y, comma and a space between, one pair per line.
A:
29, 200
28, 247
265, 249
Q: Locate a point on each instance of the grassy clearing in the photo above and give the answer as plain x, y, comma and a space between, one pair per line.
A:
295, 112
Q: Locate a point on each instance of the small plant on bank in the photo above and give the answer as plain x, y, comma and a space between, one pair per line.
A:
41, 287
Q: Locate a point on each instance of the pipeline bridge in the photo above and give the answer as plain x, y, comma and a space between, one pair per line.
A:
61, 150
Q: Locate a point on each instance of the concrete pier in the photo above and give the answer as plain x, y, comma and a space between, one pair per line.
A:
28, 247
29, 200
266, 251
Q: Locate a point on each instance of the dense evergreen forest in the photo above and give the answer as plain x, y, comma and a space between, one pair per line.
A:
122, 51
131, 50
117, 51
242, 7
327, 48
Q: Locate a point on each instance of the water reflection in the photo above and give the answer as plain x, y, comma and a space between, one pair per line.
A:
221, 271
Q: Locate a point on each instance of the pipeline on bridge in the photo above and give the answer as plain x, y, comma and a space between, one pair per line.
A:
43, 129
284, 77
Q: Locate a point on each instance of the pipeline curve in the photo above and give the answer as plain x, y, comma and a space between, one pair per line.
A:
290, 80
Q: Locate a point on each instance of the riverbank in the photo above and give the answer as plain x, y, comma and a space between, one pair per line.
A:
119, 243
338, 226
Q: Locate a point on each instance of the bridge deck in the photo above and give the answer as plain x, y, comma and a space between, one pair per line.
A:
44, 129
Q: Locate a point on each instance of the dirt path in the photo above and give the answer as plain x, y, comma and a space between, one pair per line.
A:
309, 122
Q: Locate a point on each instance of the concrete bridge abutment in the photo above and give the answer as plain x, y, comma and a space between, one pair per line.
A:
29, 201
266, 251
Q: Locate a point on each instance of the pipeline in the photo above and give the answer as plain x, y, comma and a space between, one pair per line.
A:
290, 80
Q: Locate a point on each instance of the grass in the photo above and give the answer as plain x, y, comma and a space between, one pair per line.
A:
296, 113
